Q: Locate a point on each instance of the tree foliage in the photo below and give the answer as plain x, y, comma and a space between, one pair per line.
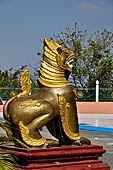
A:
93, 55
10, 78
35, 73
10, 82
93, 59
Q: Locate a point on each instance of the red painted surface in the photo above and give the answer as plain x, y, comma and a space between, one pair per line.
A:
95, 107
58, 158
1, 108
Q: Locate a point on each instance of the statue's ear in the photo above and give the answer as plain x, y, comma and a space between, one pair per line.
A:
59, 49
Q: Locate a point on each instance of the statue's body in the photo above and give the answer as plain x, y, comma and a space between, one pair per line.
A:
53, 105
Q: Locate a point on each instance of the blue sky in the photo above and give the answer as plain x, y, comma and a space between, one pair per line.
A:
24, 23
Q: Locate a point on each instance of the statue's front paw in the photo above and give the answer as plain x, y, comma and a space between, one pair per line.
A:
82, 141
52, 143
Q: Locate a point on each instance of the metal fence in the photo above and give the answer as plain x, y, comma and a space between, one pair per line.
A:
83, 94
106, 94
8, 92
89, 94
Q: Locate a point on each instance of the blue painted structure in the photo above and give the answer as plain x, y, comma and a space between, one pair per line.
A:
99, 129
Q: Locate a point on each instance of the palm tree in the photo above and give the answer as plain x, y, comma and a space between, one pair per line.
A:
8, 160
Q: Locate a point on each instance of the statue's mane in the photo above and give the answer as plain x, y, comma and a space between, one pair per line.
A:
50, 49
51, 75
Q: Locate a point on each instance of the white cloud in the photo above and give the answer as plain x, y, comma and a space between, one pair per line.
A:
91, 8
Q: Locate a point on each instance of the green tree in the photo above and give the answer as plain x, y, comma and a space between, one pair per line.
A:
35, 74
9, 82
10, 78
93, 56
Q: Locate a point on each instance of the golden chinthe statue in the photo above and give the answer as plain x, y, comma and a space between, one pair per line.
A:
52, 106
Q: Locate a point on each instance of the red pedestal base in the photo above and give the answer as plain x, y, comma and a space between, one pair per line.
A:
59, 158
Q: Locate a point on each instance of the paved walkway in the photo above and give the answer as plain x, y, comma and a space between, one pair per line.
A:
104, 139
97, 120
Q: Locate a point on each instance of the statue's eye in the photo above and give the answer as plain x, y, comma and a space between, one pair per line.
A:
66, 53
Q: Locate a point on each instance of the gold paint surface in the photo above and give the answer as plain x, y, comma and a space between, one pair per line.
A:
26, 137
25, 84
64, 109
31, 103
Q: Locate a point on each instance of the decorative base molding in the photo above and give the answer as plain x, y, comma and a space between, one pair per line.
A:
58, 158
